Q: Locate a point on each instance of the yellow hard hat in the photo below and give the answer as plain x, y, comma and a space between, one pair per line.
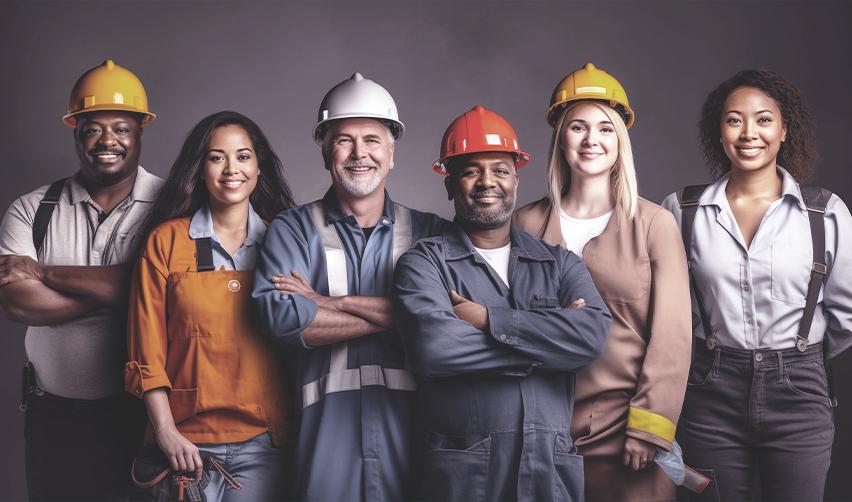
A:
108, 87
589, 83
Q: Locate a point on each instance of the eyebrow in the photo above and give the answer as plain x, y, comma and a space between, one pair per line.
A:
223, 151
759, 111
584, 122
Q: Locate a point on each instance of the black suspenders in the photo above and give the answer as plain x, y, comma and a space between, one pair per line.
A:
815, 199
204, 254
45, 211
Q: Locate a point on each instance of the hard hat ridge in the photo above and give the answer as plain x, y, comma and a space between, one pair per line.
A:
589, 83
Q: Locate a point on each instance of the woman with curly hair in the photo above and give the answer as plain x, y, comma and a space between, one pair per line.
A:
770, 262
628, 401
212, 384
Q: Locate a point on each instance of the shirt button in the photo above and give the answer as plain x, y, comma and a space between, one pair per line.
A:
503, 337
385, 221
758, 356
745, 288
748, 320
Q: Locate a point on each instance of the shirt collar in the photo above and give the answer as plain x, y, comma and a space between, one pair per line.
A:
333, 212
457, 244
201, 226
715, 193
146, 187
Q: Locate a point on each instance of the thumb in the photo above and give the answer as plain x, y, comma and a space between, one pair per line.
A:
456, 298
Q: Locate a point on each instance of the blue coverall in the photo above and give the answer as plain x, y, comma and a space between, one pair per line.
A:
352, 444
495, 407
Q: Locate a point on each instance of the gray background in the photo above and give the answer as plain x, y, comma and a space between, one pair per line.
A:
274, 61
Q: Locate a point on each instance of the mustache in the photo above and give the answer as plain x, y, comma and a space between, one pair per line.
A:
116, 151
352, 163
491, 192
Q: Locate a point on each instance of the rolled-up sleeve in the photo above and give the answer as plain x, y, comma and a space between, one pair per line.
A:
147, 335
837, 294
285, 250
437, 342
16, 231
560, 339
655, 408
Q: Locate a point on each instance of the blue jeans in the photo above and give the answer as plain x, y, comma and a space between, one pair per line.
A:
258, 465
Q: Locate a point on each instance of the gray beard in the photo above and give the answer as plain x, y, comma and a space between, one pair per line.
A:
485, 220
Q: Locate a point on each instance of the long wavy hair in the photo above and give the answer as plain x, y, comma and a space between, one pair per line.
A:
798, 154
624, 192
185, 191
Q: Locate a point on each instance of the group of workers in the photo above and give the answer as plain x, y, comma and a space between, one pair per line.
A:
353, 348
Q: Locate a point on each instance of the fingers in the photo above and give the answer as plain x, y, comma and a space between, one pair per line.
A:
301, 279
576, 304
457, 299
199, 464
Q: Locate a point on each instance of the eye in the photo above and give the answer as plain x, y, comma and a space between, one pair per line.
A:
122, 130
215, 157
733, 121
470, 172
501, 171
342, 141
764, 119
607, 129
578, 128
244, 156
373, 141
91, 131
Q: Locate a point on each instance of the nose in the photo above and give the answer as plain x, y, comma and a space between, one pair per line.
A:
228, 167
359, 150
591, 138
485, 179
107, 138
749, 130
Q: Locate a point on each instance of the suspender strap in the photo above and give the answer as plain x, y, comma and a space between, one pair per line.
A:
815, 199
204, 254
688, 201
45, 210
340, 377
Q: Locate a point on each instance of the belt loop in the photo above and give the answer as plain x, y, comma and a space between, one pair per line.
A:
717, 355
780, 367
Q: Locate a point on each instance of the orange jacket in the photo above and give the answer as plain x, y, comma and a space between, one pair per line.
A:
191, 333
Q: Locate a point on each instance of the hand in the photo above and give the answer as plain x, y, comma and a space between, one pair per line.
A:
297, 284
576, 304
181, 453
17, 268
638, 454
469, 311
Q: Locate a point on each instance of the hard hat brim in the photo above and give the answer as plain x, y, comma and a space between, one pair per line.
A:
319, 129
71, 118
556, 109
521, 159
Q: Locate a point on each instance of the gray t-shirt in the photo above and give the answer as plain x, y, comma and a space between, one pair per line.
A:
83, 358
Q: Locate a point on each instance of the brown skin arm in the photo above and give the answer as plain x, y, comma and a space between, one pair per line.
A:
30, 302
376, 310
331, 326
107, 285
638, 454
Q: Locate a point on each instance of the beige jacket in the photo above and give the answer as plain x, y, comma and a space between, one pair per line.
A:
637, 386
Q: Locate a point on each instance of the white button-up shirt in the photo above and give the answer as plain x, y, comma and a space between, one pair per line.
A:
755, 296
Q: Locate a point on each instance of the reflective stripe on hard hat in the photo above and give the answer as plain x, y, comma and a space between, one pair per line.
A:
476, 131
590, 82
340, 378
108, 87
358, 97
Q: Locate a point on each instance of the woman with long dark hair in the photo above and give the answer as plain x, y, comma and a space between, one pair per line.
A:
770, 261
211, 383
628, 401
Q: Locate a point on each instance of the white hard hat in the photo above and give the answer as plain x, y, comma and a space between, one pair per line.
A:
358, 97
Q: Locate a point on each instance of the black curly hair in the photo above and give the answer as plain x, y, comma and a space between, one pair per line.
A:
798, 153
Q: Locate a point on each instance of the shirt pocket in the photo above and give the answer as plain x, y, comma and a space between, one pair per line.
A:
544, 302
790, 271
621, 281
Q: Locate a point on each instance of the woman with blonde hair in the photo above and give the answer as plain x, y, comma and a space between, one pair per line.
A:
628, 402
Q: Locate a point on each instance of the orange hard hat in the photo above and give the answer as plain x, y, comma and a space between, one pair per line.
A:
479, 130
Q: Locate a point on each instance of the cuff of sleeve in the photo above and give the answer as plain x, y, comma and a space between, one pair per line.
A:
140, 378
645, 423
503, 323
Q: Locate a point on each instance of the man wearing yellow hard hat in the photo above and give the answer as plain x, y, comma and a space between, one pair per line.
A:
63, 271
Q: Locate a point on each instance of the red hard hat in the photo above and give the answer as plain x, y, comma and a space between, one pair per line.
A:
479, 130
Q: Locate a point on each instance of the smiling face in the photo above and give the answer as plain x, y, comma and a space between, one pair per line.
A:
230, 168
752, 129
589, 141
483, 187
108, 144
359, 154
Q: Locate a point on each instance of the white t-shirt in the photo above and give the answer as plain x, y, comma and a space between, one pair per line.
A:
577, 231
498, 258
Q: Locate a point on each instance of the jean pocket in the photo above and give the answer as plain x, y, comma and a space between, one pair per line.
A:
700, 371
807, 380
568, 481
710, 493
456, 474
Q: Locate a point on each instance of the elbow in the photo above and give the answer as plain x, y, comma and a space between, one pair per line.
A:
428, 363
